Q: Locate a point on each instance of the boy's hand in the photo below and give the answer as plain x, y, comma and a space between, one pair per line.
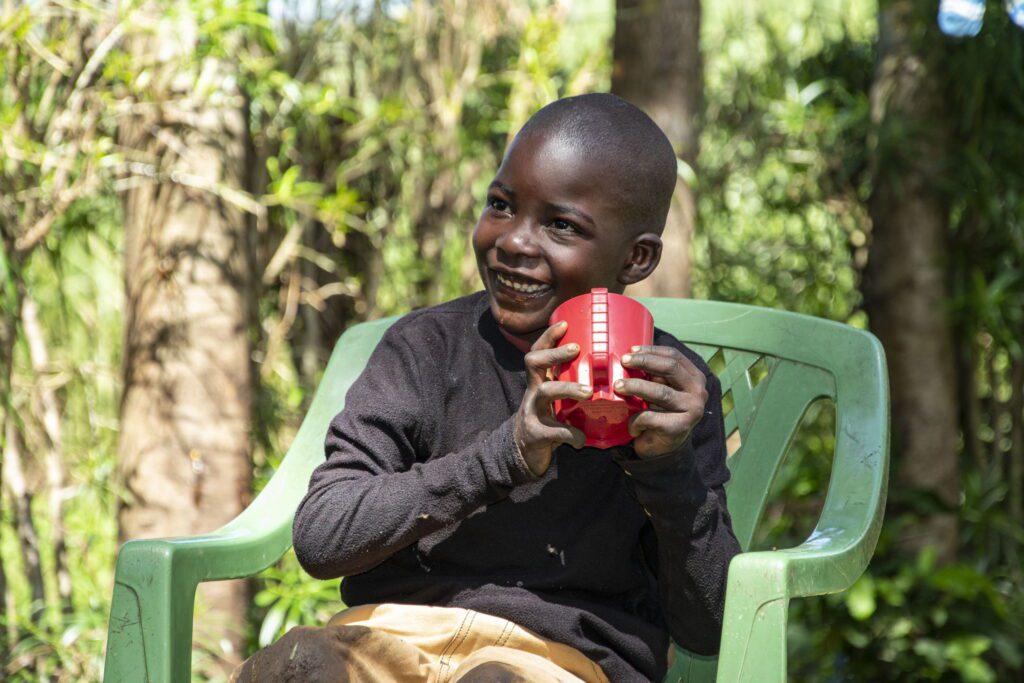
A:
675, 395
536, 431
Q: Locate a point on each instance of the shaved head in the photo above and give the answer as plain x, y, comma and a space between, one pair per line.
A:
632, 151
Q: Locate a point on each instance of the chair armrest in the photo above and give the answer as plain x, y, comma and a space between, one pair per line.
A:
149, 636
757, 601
761, 584
150, 630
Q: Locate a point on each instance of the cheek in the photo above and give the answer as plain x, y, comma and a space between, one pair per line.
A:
580, 268
480, 239
581, 274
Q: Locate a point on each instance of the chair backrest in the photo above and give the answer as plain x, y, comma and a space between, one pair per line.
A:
772, 368
773, 365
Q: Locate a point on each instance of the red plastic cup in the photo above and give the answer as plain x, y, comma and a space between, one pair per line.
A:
606, 327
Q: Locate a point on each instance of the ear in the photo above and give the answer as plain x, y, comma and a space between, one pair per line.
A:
644, 255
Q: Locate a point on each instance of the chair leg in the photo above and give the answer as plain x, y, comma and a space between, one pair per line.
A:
149, 637
755, 649
691, 668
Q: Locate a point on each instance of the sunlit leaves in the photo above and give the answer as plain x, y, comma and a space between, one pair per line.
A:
781, 163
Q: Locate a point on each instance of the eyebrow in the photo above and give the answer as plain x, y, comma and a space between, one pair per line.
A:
562, 208
501, 186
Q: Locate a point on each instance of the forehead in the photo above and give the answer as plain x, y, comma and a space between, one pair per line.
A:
565, 169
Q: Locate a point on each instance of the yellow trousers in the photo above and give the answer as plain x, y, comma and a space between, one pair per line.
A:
416, 643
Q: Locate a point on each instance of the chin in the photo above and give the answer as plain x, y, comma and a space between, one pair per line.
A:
518, 323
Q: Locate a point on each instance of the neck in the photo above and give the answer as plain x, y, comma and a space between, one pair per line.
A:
518, 342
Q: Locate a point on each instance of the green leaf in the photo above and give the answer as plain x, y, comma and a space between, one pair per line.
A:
686, 172
272, 624
860, 599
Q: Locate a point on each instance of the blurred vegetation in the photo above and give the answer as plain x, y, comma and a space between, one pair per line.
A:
375, 128
784, 223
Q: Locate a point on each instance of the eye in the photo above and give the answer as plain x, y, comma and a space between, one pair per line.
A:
562, 225
498, 204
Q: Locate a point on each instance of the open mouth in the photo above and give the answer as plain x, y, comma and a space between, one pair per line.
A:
520, 286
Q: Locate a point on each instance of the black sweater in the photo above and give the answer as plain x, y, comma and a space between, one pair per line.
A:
424, 499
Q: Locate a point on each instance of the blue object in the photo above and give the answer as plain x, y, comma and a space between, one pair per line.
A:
1015, 8
961, 18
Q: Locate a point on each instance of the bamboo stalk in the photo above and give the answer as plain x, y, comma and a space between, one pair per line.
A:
55, 474
9, 297
309, 353
7, 635
996, 411
1017, 441
967, 362
6, 334
21, 512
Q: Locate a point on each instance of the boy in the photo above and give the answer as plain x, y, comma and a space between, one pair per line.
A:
479, 540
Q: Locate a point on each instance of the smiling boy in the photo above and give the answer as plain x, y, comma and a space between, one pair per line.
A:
479, 540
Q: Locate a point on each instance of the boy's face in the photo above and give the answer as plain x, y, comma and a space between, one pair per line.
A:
554, 226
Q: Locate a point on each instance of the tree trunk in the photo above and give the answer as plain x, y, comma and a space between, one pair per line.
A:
906, 280
185, 411
658, 67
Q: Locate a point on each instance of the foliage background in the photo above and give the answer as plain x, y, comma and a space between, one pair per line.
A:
376, 128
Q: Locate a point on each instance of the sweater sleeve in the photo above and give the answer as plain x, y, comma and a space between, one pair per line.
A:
690, 541
381, 489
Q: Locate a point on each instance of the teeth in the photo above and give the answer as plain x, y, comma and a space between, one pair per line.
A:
520, 286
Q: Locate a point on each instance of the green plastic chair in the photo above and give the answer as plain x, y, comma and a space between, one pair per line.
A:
772, 365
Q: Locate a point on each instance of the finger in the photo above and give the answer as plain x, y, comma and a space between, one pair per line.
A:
567, 433
655, 393
552, 432
672, 426
670, 351
549, 338
653, 363
540, 361
667, 352
548, 392
669, 363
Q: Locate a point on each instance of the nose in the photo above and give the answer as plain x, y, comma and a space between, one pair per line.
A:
519, 240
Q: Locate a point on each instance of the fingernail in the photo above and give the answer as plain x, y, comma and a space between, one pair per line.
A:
628, 357
572, 347
619, 384
635, 349
561, 323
